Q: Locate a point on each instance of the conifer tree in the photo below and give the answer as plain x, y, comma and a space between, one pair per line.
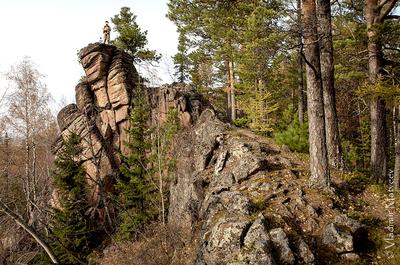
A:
73, 237
213, 27
181, 60
320, 175
376, 12
133, 184
334, 147
131, 38
260, 41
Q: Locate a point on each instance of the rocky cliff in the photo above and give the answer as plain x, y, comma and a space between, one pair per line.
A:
100, 115
247, 202
241, 199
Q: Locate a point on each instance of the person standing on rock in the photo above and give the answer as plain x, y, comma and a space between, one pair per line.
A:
106, 33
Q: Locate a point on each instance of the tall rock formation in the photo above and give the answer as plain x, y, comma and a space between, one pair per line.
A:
100, 115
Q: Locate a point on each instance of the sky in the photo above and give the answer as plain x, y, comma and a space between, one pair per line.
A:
51, 32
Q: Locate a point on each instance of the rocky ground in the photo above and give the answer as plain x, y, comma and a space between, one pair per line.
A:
246, 201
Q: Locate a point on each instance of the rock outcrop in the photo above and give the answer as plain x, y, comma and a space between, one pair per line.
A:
244, 201
100, 115
179, 97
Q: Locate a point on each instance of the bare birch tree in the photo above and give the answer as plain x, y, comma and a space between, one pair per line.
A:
27, 117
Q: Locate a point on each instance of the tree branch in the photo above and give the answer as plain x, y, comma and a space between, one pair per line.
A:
4, 95
34, 234
387, 7
391, 48
392, 17
381, 4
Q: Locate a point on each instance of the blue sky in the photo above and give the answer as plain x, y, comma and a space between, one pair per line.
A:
52, 31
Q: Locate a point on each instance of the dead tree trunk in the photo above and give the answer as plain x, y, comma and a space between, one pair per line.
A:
320, 177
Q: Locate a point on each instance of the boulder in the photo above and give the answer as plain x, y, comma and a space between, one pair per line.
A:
337, 238
344, 220
244, 159
304, 252
281, 245
257, 248
223, 242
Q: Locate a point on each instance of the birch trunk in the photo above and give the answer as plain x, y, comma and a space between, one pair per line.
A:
28, 229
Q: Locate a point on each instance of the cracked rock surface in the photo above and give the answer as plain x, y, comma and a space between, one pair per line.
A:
100, 115
246, 203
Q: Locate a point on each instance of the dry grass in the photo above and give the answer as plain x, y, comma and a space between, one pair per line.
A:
160, 245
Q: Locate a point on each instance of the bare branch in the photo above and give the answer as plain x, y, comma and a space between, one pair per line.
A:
27, 228
391, 48
386, 9
392, 17
381, 4
4, 95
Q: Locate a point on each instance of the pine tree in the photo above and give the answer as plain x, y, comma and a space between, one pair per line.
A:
320, 175
181, 59
260, 41
335, 154
73, 236
213, 27
376, 12
133, 184
131, 38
